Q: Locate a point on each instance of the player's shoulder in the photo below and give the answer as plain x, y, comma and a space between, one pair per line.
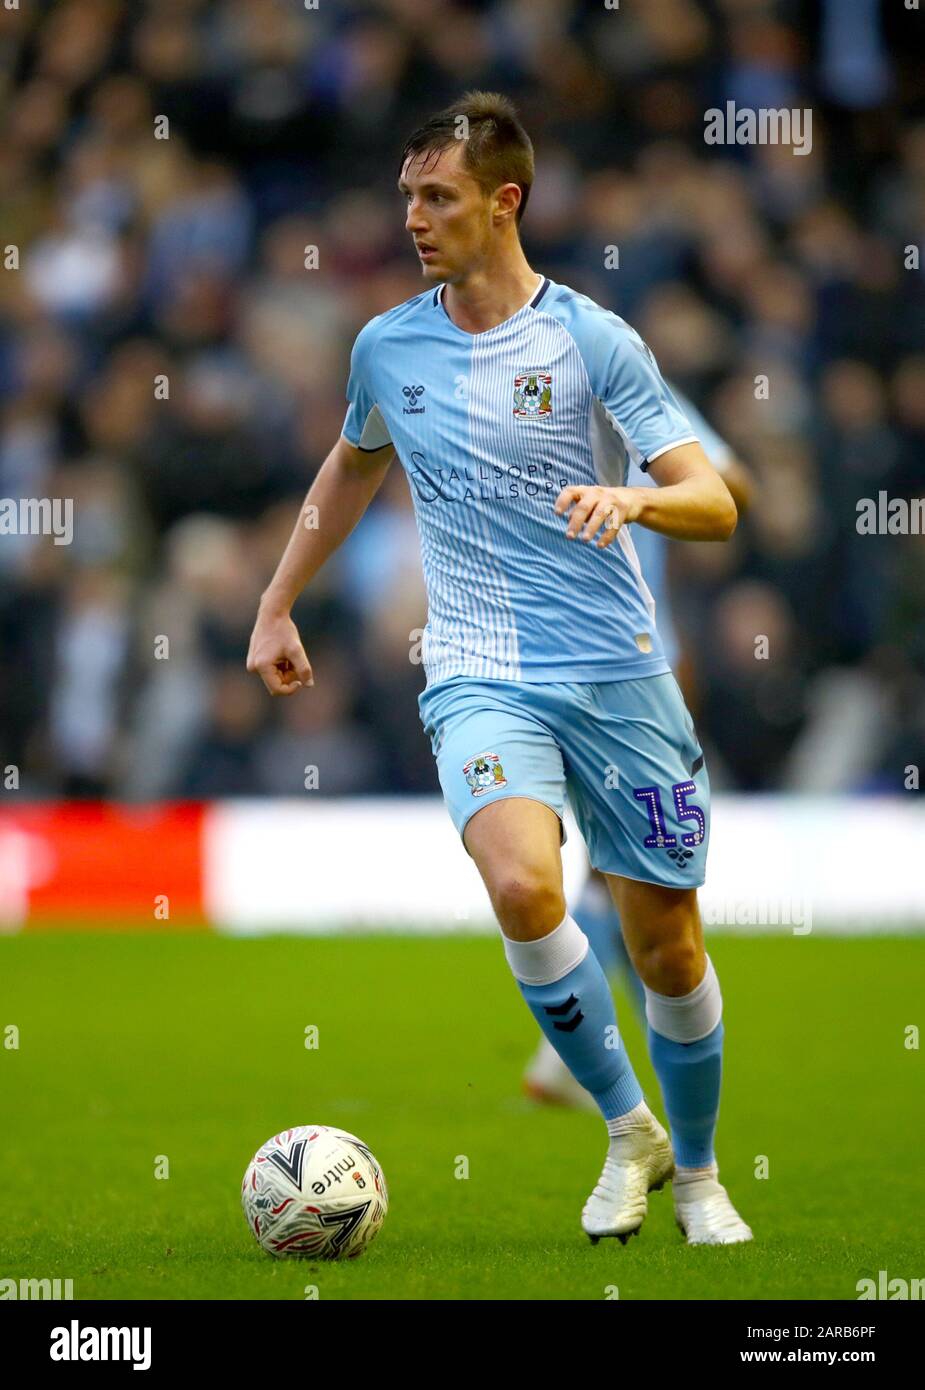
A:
602, 337
393, 321
581, 314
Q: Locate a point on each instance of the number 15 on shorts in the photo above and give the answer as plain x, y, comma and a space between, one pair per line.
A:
685, 810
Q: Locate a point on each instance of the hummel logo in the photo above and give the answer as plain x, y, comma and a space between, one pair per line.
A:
412, 394
566, 1025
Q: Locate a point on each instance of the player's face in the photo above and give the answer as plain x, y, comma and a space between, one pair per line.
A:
449, 215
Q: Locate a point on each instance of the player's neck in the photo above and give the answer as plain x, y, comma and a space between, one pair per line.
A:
487, 297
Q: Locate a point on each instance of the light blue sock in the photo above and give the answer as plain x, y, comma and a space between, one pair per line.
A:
690, 1075
685, 1037
568, 994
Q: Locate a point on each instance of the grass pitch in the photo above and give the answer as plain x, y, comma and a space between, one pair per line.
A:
134, 1046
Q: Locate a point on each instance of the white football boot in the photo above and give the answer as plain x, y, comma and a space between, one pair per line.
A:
549, 1081
705, 1215
637, 1163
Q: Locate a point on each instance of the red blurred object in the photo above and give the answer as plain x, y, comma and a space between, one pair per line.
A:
100, 864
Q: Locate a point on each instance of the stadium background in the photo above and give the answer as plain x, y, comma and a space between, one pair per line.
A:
144, 258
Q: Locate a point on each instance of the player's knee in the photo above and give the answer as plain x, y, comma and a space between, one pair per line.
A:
527, 903
672, 967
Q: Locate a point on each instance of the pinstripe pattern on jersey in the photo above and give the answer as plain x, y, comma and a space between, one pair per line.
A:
509, 597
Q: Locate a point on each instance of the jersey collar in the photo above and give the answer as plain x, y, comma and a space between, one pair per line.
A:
531, 304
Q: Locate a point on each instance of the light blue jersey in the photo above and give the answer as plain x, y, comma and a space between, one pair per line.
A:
490, 427
651, 546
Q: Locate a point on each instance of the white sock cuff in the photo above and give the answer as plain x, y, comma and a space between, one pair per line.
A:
547, 960
689, 1017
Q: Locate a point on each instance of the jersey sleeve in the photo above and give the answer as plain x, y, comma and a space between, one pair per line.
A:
625, 378
364, 426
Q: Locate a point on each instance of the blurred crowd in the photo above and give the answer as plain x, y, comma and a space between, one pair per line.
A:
169, 361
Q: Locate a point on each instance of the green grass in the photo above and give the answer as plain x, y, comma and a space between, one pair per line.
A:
134, 1046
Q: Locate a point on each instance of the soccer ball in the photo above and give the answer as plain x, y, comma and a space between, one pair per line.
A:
314, 1191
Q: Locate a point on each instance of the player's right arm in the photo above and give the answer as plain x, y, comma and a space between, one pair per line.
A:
346, 483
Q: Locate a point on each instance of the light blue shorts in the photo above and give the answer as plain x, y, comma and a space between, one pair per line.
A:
625, 753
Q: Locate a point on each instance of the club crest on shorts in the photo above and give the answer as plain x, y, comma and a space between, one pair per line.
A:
532, 395
484, 773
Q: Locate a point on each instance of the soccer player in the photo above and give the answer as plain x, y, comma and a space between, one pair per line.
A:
514, 405
547, 1079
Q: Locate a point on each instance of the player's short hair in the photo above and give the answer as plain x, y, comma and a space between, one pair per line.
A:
497, 148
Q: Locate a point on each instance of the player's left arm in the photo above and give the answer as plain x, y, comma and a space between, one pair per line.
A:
739, 480
690, 503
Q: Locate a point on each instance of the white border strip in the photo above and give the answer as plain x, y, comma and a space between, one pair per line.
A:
776, 863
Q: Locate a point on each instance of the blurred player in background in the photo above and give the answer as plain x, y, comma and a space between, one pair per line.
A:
516, 406
547, 1079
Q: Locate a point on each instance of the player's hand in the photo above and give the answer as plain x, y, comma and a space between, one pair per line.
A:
595, 507
276, 654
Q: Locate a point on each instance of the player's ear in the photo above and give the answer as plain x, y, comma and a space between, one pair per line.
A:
507, 200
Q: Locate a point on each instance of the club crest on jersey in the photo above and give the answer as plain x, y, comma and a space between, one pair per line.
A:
532, 395
483, 773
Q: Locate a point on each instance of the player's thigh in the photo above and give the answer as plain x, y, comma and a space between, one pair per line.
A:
515, 845
663, 933
494, 754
